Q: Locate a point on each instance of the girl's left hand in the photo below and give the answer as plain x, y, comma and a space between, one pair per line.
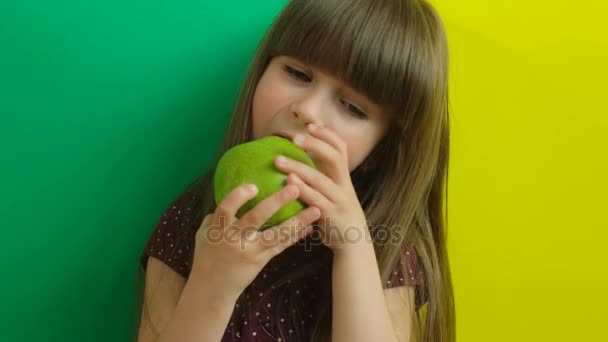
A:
342, 222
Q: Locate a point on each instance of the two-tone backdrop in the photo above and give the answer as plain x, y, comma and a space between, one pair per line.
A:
108, 109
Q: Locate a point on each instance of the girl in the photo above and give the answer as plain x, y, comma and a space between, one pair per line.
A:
362, 87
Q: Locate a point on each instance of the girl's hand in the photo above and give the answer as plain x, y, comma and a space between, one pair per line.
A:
230, 252
329, 188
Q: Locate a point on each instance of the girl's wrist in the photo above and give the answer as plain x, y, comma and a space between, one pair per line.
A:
202, 313
352, 241
205, 280
204, 292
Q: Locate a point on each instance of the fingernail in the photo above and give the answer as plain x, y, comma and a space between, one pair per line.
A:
253, 188
312, 127
281, 160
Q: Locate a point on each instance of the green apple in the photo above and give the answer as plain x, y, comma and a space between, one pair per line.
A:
253, 163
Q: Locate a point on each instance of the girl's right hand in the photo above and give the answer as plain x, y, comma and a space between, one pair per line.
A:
229, 252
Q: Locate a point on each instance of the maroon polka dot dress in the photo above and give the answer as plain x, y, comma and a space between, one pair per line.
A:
257, 322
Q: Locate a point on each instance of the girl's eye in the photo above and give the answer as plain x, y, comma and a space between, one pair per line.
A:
356, 111
303, 77
297, 73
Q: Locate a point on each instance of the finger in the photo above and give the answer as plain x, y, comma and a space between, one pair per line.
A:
329, 136
315, 178
308, 194
226, 210
264, 210
328, 158
298, 227
319, 148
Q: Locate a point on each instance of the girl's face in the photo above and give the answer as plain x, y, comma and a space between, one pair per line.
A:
292, 94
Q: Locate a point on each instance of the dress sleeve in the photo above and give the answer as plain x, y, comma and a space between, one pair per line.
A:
170, 242
414, 275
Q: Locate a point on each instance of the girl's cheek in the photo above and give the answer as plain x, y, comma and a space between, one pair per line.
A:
277, 90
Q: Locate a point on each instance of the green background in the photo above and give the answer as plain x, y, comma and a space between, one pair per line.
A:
108, 109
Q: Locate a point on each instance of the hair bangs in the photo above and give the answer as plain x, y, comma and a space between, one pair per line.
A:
358, 43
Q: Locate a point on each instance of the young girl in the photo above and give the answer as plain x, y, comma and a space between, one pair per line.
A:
362, 87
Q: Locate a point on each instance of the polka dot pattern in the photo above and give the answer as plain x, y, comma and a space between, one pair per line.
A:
251, 322
165, 244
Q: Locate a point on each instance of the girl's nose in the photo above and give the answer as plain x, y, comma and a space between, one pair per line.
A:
304, 119
309, 110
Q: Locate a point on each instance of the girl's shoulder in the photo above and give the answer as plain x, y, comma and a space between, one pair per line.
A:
413, 275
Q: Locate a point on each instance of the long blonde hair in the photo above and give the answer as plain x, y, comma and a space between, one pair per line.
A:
395, 52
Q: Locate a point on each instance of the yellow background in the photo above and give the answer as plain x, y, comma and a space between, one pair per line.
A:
527, 194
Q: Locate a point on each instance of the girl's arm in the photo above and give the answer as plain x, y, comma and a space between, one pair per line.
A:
400, 301
180, 310
163, 287
360, 312
202, 314
223, 267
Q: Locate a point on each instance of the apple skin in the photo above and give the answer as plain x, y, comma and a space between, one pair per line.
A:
253, 163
